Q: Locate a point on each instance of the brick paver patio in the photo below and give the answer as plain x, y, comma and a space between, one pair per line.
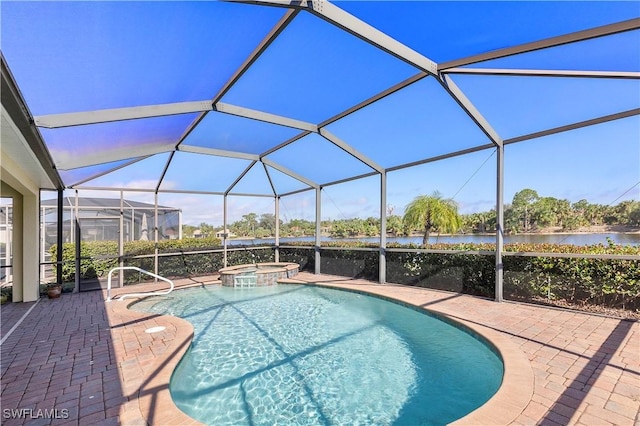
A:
87, 362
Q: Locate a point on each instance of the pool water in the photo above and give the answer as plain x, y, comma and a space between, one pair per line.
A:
308, 355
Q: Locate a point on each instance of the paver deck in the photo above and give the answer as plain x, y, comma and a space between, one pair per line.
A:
77, 360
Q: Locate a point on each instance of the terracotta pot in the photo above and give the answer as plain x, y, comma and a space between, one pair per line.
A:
54, 292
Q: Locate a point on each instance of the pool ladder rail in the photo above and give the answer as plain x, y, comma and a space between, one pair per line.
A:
134, 268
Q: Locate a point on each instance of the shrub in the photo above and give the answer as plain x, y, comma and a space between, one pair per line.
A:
97, 258
607, 282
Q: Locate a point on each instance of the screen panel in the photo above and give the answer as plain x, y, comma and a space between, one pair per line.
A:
98, 143
255, 181
99, 55
618, 52
198, 172
315, 158
518, 106
283, 182
144, 174
448, 30
417, 122
73, 176
233, 133
315, 70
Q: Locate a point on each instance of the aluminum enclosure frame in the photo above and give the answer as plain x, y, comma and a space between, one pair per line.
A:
425, 67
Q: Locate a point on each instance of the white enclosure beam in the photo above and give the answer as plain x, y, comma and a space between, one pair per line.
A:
164, 170
247, 194
266, 172
285, 143
382, 265
78, 242
277, 224
253, 56
189, 191
545, 73
118, 154
119, 114
441, 157
356, 27
153, 191
318, 259
468, 107
156, 235
297, 191
280, 26
108, 188
499, 223
97, 175
578, 125
349, 179
121, 240
371, 35
218, 152
375, 98
605, 30
350, 150
290, 173
225, 236
353, 109
265, 116
240, 176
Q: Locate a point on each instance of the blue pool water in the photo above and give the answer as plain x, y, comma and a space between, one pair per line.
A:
307, 355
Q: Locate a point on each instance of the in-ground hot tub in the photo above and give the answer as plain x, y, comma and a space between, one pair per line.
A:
259, 274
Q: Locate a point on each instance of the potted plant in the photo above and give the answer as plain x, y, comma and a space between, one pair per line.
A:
54, 290
5, 295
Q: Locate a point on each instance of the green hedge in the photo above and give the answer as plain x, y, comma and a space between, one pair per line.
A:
99, 257
191, 265
304, 257
463, 273
606, 282
96, 259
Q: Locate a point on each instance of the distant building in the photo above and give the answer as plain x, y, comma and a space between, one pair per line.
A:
221, 234
99, 220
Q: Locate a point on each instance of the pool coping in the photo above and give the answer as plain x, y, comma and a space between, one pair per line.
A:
513, 396
153, 397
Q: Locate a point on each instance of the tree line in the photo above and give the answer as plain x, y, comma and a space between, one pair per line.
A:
530, 212
527, 212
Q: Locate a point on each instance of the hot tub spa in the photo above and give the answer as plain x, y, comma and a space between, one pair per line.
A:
257, 275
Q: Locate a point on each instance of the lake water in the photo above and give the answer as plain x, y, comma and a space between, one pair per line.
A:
575, 239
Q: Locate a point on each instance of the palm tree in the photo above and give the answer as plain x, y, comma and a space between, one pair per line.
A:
432, 213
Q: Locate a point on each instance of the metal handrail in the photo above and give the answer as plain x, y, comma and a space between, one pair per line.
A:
135, 268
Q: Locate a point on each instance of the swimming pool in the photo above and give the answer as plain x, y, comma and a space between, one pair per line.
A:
293, 354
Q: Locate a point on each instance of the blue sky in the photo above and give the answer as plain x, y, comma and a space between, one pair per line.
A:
77, 56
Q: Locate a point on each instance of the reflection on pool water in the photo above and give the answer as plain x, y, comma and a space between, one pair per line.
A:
301, 355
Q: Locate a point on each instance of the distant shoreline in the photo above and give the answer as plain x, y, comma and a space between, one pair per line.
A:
597, 229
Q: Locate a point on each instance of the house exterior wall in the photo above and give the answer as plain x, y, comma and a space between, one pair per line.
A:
25, 193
